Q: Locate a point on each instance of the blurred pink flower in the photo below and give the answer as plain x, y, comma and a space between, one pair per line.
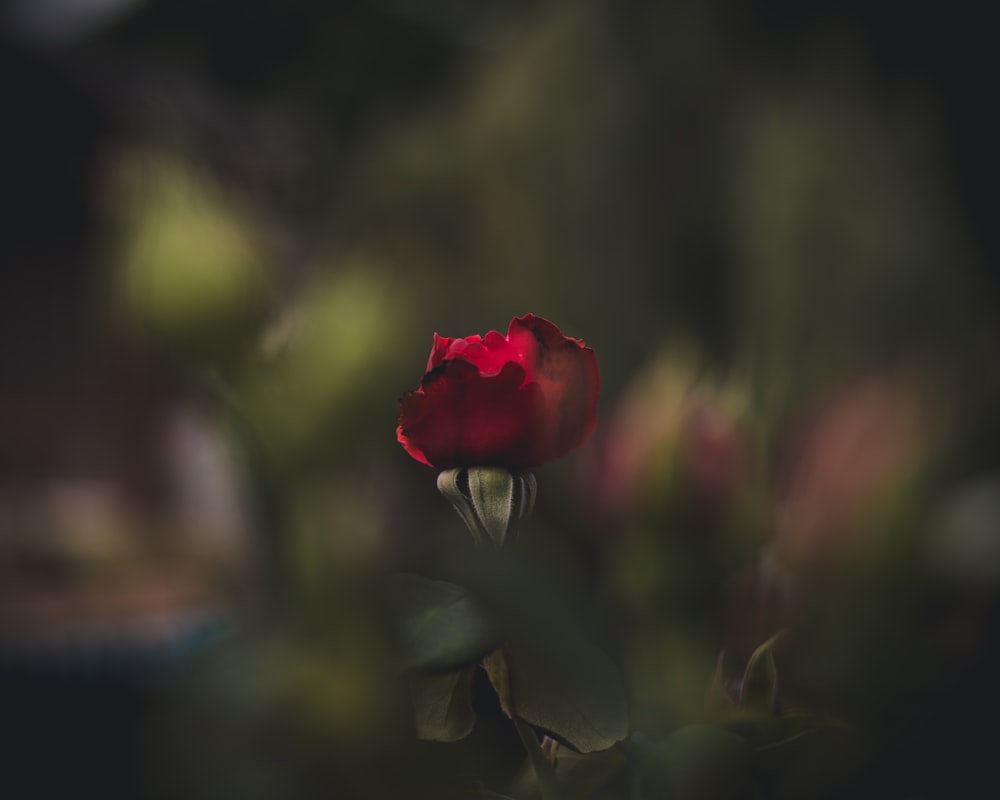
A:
864, 441
670, 431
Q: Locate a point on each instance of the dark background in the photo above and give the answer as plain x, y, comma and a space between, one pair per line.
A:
230, 230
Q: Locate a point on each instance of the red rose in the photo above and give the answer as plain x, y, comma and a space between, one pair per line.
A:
508, 401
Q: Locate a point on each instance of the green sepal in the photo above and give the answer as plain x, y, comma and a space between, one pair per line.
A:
488, 499
451, 483
491, 491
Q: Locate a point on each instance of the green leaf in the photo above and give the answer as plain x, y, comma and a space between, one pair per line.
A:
580, 774
442, 704
800, 754
696, 762
777, 732
759, 691
717, 698
496, 666
550, 675
574, 693
441, 627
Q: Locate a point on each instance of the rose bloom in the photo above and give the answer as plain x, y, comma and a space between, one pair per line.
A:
513, 401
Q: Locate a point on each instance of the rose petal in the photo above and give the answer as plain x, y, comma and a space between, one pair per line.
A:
461, 418
516, 400
566, 373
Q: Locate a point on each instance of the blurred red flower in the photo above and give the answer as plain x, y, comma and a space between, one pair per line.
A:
514, 401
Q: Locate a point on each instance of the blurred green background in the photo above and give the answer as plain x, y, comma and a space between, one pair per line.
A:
230, 231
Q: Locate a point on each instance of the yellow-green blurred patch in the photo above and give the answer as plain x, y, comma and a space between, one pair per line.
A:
189, 275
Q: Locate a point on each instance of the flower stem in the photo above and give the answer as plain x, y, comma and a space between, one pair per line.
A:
547, 783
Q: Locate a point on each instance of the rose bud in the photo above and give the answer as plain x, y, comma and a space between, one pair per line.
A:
512, 401
490, 407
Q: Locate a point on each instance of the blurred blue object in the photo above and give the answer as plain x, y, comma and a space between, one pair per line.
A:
150, 648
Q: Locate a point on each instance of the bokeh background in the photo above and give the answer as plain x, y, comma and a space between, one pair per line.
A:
230, 230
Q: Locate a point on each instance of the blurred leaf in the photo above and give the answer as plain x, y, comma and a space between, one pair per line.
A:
718, 698
579, 701
341, 689
190, 279
777, 732
799, 754
442, 627
759, 691
696, 762
442, 704
497, 669
548, 674
318, 380
963, 545
580, 774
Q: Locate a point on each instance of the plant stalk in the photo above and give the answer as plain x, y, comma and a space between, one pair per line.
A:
547, 783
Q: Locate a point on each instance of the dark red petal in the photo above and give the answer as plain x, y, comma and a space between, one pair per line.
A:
515, 400
567, 376
401, 437
461, 418
544, 331
439, 352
